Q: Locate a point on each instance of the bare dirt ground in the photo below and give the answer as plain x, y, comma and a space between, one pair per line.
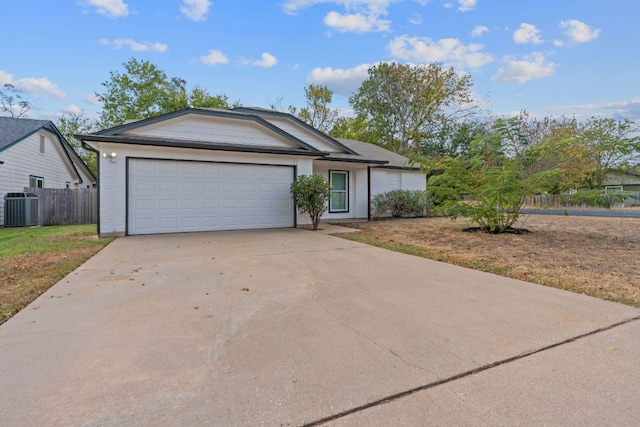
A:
595, 256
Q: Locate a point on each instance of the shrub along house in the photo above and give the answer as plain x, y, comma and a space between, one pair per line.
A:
211, 169
33, 153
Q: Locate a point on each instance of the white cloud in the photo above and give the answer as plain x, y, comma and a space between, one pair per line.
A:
91, 98
359, 15
466, 5
416, 19
340, 81
630, 109
112, 8
356, 22
558, 43
376, 6
527, 33
32, 85
5, 78
479, 30
134, 45
73, 109
214, 57
449, 51
579, 32
266, 61
531, 67
195, 10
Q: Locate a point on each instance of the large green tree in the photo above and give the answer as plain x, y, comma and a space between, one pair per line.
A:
613, 144
143, 90
70, 124
405, 105
317, 113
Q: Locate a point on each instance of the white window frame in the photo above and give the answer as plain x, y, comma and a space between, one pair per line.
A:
332, 209
613, 188
34, 179
43, 143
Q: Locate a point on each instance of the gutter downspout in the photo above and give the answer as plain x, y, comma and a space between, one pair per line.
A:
90, 148
368, 193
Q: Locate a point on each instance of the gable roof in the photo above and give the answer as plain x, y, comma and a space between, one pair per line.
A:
297, 121
349, 150
118, 133
14, 130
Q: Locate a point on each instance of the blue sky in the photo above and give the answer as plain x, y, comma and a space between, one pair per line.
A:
549, 57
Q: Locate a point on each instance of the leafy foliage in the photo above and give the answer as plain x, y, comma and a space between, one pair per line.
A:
70, 124
406, 104
401, 203
317, 113
311, 193
518, 159
143, 90
489, 187
612, 144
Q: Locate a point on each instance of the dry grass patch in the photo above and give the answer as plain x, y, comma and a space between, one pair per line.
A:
34, 259
594, 256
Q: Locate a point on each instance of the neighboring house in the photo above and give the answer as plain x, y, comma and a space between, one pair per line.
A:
622, 180
211, 169
33, 153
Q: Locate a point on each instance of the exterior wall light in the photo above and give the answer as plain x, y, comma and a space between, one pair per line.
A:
112, 156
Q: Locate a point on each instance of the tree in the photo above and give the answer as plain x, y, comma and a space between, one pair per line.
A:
317, 113
489, 187
143, 90
311, 193
352, 128
70, 124
453, 139
13, 103
612, 144
407, 104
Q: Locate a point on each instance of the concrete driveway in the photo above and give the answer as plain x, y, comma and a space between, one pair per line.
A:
293, 327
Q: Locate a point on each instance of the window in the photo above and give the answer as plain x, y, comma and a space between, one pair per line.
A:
42, 144
36, 181
339, 201
612, 188
68, 185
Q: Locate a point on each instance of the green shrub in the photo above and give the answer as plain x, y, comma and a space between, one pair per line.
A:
401, 203
310, 193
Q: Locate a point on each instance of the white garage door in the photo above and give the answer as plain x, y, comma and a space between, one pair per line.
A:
167, 196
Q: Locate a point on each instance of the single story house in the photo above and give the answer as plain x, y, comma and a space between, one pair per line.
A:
203, 169
33, 153
618, 179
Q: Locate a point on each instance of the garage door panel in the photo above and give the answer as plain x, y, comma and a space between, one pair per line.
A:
178, 196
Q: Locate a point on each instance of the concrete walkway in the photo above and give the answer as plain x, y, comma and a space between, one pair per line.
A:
293, 327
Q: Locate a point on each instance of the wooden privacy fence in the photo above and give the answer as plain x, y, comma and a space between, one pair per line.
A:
61, 206
555, 201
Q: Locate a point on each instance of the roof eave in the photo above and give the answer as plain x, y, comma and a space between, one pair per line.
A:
197, 145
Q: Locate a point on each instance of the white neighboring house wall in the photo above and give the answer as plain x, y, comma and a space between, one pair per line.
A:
113, 197
24, 159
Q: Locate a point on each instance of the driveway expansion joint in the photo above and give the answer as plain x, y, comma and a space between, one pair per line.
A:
462, 375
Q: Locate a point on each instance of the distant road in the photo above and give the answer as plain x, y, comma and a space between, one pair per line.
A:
617, 213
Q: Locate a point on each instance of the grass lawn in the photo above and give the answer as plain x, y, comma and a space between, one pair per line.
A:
34, 259
594, 256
